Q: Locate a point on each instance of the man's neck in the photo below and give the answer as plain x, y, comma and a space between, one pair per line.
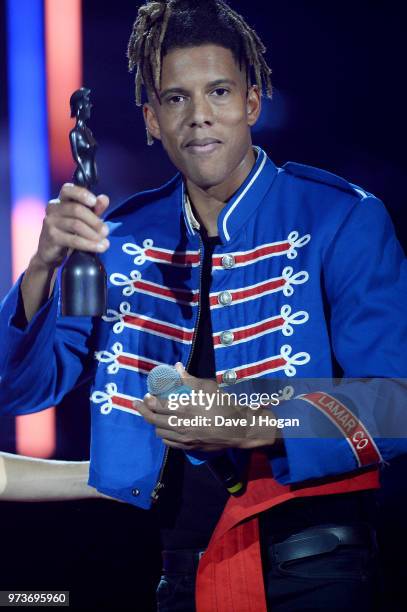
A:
208, 203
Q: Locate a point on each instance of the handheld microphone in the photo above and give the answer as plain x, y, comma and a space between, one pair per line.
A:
164, 380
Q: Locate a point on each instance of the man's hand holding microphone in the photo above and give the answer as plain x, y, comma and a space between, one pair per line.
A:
209, 404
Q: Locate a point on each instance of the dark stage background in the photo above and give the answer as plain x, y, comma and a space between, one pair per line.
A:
339, 103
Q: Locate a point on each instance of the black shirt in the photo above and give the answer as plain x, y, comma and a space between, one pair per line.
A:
192, 500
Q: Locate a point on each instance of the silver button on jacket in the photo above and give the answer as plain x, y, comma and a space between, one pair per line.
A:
229, 377
225, 298
228, 261
227, 338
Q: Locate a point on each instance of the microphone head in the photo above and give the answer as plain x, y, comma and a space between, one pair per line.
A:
163, 379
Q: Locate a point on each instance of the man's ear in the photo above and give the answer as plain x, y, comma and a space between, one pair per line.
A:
253, 104
150, 119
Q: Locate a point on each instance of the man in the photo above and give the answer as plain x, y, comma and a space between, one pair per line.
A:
238, 270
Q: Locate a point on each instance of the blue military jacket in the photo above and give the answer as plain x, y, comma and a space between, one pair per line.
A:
308, 274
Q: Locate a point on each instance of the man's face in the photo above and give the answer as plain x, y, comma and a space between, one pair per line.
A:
205, 113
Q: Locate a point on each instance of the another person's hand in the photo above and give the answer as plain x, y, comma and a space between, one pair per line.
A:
72, 223
30, 479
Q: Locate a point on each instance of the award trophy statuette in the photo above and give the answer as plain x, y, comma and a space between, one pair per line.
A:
83, 281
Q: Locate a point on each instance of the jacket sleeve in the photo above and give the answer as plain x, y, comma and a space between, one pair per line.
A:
42, 360
355, 423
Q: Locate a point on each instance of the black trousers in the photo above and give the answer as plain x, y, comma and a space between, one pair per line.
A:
346, 578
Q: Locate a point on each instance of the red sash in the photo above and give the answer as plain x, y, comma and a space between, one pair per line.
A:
230, 575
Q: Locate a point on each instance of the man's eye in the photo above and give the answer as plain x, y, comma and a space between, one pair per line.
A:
176, 99
221, 92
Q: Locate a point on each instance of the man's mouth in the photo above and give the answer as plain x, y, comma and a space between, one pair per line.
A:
203, 145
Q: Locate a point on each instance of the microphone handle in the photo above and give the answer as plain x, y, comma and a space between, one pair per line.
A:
224, 470
221, 466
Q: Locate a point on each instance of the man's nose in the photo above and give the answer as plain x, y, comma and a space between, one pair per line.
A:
201, 112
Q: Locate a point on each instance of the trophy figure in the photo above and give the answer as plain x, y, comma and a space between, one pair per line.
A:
83, 287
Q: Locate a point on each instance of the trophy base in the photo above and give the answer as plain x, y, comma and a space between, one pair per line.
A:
83, 286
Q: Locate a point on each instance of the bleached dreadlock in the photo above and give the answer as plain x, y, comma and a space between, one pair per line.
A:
168, 24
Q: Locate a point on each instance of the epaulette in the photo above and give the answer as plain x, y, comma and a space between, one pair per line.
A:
143, 197
325, 177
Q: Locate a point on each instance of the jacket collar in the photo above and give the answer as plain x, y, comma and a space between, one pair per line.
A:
241, 206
